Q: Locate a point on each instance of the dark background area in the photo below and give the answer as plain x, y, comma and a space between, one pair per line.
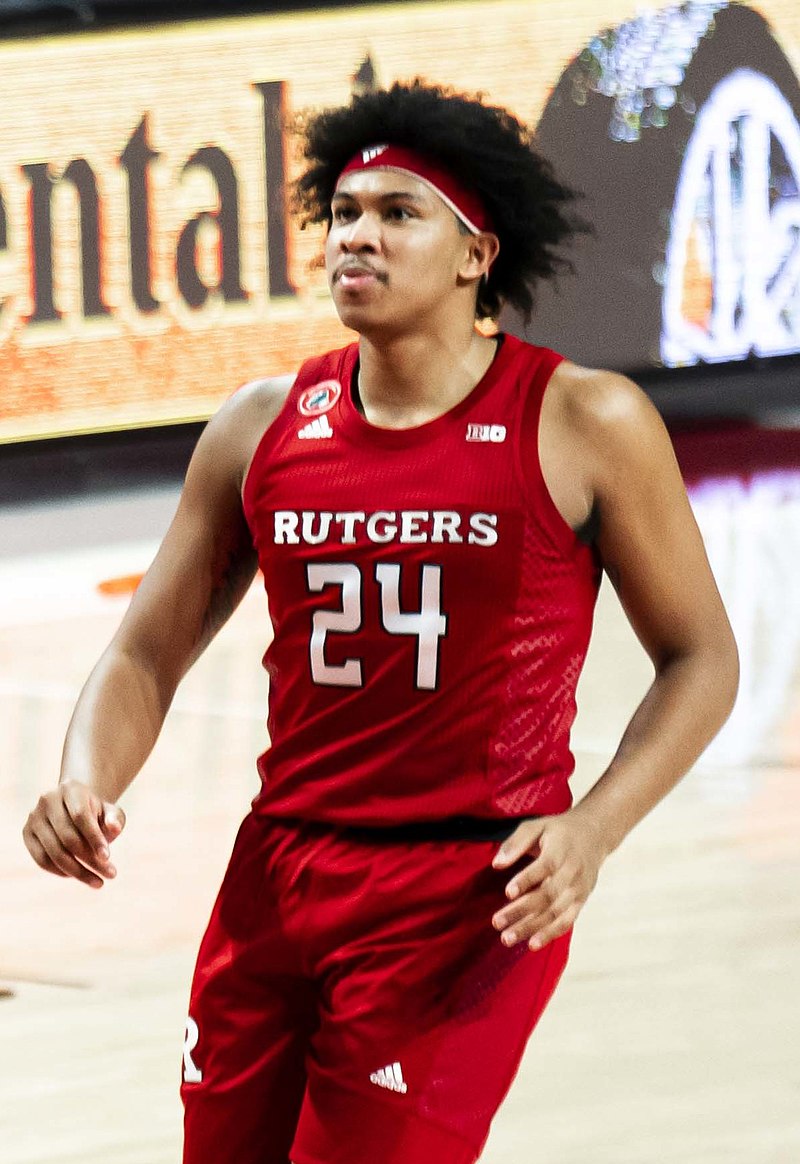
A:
731, 399
24, 17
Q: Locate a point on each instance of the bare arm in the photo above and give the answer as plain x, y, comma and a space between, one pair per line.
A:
652, 550
654, 555
200, 574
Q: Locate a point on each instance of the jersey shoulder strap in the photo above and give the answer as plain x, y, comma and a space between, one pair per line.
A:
534, 369
335, 365
317, 387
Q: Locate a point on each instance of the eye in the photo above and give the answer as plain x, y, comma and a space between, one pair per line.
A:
342, 214
398, 213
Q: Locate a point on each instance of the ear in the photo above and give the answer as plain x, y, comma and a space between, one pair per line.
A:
480, 252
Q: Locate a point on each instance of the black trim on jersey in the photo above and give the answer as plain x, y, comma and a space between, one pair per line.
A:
355, 394
451, 828
589, 530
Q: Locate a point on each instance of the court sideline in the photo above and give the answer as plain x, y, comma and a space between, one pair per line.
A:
675, 1034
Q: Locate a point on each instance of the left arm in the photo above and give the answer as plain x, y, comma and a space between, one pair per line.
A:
654, 555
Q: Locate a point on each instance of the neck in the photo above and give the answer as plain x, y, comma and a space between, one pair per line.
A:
412, 379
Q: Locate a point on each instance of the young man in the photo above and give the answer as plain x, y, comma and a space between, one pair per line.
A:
430, 509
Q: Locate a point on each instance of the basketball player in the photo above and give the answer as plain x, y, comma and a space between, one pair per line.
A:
431, 509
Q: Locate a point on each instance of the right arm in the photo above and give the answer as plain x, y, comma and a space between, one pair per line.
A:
201, 572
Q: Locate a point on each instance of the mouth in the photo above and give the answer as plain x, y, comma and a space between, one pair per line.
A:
356, 275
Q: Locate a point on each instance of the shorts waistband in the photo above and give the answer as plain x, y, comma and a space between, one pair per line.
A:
453, 828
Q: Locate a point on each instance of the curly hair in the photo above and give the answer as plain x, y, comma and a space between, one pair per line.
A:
485, 147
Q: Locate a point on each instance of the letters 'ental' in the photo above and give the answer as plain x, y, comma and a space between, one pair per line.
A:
136, 159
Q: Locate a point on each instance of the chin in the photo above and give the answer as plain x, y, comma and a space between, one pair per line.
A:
363, 318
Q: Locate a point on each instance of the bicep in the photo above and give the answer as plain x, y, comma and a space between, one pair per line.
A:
648, 538
201, 571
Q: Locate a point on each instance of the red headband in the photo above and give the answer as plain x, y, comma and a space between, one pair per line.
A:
466, 205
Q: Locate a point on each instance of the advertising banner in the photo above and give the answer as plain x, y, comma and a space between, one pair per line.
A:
149, 263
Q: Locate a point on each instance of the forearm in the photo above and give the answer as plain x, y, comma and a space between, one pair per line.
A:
689, 700
115, 724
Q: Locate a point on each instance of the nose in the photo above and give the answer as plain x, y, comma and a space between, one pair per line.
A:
361, 234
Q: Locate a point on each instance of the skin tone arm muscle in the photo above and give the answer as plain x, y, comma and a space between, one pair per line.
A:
654, 555
201, 572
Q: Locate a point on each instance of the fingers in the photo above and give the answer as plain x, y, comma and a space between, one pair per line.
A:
85, 811
48, 850
522, 841
538, 917
547, 894
88, 814
564, 923
112, 822
41, 858
537, 873
68, 834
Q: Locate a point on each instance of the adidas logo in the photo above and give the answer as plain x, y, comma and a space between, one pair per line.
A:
390, 1077
372, 152
316, 429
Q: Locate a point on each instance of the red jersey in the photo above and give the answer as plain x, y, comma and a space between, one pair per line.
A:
431, 608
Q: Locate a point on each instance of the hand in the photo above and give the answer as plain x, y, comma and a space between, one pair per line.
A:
549, 893
69, 831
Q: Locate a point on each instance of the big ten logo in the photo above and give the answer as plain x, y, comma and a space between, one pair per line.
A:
143, 234
489, 433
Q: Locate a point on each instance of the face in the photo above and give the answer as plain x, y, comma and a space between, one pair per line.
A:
394, 252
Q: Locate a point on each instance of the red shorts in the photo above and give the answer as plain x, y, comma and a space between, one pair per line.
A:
352, 1003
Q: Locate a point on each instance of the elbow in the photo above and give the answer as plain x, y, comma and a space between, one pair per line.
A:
729, 672
708, 667
719, 663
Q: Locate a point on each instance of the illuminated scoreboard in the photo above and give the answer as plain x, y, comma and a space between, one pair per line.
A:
149, 263
681, 126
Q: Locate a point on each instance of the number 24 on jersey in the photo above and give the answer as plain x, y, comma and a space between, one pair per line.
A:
428, 624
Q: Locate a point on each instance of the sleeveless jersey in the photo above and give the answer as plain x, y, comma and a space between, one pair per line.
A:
431, 609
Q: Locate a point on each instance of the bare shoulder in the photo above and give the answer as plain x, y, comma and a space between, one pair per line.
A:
266, 397
231, 436
593, 399
254, 406
609, 419
207, 559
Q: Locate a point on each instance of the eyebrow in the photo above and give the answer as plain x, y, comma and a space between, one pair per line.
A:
384, 197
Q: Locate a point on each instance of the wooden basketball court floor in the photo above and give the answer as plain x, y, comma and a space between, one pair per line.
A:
674, 1035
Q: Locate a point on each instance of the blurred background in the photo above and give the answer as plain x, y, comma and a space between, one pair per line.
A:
149, 265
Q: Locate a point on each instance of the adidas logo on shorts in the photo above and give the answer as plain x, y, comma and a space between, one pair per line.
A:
316, 429
390, 1077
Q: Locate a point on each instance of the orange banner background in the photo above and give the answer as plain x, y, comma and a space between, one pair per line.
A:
195, 86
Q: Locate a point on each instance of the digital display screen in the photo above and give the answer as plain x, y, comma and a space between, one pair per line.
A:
681, 126
149, 264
